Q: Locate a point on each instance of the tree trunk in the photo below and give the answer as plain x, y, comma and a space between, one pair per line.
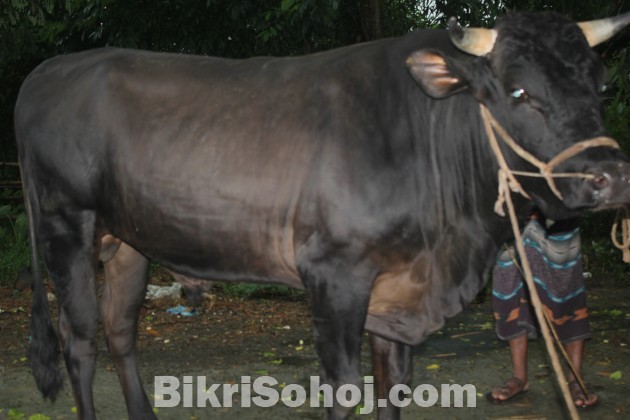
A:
371, 22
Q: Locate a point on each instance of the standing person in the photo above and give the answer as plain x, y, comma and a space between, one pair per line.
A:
554, 254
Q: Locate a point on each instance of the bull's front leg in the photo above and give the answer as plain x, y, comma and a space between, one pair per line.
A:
391, 362
338, 298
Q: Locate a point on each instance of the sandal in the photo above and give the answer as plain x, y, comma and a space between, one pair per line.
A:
511, 389
588, 401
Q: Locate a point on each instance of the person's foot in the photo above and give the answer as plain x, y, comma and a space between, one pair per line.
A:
581, 400
510, 389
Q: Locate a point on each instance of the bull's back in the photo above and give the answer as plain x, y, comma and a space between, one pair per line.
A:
201, 163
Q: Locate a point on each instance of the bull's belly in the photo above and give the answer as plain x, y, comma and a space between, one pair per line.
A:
215, 255
206, 217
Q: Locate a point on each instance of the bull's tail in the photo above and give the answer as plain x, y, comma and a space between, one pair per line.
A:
43, 352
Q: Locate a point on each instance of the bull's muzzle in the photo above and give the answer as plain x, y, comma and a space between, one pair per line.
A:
610, 186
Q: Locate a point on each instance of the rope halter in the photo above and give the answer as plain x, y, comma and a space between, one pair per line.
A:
507, 178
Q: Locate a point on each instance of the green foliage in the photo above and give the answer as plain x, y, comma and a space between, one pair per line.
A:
20, 51
402, 16
14, 254
299, 24
15, 414
618, 98
599, 255
33, 12
471, 12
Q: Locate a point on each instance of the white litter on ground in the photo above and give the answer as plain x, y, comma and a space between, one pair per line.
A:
159, 292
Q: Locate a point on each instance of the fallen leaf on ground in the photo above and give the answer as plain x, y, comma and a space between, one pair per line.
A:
615, 375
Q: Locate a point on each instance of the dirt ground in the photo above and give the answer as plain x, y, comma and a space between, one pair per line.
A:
260, 336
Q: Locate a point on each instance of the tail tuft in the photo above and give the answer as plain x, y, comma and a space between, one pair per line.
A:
43, 352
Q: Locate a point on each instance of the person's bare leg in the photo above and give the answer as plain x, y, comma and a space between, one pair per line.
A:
518, 382
575, 350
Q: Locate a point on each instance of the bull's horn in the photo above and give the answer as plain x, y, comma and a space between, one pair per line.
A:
598, 31
475, 41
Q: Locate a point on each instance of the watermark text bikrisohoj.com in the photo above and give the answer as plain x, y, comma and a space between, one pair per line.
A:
263, 391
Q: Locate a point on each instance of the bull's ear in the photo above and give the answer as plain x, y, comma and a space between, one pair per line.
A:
431, 70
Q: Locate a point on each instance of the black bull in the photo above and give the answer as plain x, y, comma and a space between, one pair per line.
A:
361, 174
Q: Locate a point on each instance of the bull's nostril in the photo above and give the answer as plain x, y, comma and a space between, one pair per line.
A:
600, 182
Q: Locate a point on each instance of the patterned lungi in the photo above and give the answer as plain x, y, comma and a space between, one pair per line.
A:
555, 259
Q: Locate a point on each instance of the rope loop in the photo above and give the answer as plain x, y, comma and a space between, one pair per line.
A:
623, 219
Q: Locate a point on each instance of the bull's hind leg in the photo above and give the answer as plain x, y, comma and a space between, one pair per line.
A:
338, 299
67, 239
126, 273
391, 362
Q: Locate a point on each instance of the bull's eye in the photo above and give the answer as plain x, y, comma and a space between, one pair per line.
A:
519, 94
